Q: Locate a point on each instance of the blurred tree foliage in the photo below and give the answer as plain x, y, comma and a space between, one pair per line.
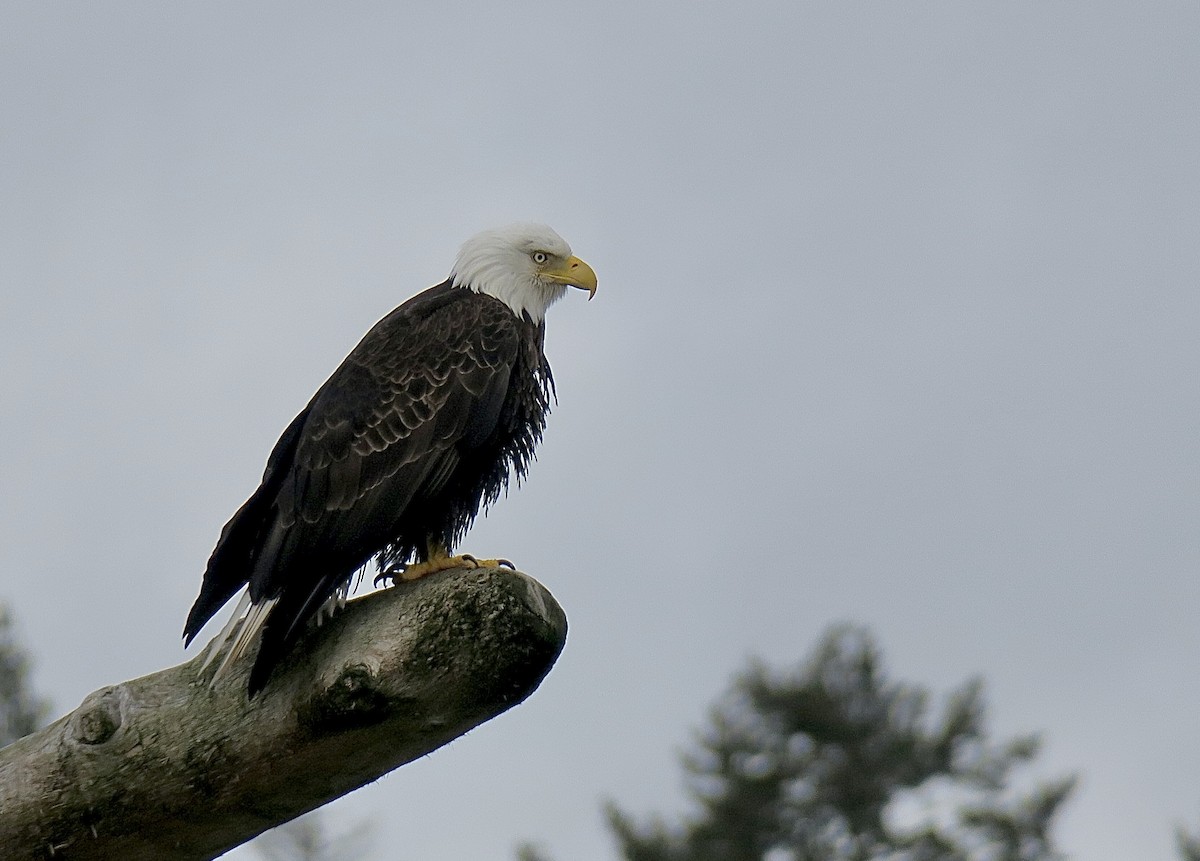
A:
307, 838
834, 761
1189, 845
21, 712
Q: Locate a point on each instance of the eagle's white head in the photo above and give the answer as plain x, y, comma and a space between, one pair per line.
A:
526, 266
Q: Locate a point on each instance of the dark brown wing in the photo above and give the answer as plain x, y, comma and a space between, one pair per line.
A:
387, 429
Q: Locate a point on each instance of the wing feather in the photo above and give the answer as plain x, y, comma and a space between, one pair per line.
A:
386, 425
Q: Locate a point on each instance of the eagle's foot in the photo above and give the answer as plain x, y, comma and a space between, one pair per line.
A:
416, 570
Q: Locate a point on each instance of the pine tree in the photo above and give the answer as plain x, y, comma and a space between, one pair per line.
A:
21, 712
836, 762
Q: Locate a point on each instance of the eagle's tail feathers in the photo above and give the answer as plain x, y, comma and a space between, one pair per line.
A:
252, 624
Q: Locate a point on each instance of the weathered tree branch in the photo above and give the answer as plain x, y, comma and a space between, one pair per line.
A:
165, 768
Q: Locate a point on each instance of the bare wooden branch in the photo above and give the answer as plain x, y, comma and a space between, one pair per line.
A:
166, 768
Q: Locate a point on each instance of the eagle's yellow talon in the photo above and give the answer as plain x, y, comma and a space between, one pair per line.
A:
438, 561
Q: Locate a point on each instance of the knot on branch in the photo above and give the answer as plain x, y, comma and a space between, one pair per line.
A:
98, 720
354, 699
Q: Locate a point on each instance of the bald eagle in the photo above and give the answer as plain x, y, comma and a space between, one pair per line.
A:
425, 422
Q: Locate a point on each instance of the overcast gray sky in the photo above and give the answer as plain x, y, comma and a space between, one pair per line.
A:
897, 323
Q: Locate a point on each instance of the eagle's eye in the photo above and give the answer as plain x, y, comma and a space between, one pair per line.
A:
540, 257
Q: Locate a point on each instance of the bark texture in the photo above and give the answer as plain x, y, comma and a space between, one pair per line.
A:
166, 768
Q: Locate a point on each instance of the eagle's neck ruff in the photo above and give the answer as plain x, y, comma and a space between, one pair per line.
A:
524, 295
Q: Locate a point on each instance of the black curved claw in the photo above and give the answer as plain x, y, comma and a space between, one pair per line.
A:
390, 577
504, 563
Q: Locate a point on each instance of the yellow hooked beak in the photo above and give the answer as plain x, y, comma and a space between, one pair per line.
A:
574, 272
